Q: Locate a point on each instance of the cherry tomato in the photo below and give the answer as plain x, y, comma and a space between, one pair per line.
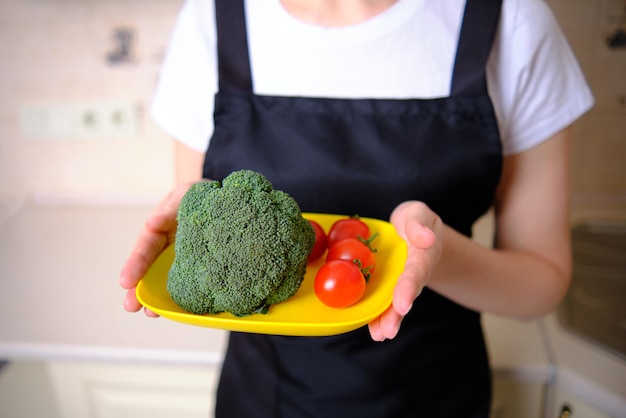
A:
320, 242
339, 284
347, 228
351, 249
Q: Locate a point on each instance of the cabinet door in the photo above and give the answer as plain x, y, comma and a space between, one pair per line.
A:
567, 405
517, 399
86, 390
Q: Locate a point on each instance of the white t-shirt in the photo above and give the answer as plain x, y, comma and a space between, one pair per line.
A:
534, 80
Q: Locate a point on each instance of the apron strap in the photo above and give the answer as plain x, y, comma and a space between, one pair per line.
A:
232, 47
480, 21
478, 29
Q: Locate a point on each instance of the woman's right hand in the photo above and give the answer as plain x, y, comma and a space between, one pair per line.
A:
158, 232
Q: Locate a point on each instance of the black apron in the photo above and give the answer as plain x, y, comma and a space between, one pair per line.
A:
364, 157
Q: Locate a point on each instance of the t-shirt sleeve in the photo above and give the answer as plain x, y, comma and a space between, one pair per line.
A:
183, 102
540, 87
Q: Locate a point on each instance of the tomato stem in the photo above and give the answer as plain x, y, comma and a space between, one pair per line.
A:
368, 242
365, 271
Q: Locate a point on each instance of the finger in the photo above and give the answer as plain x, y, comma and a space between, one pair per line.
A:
149, 313
386, 326
148, 247
415, 220
163, 219
159, 230
406, 291
375, 331
411, 281
131, 304
161, 222
390, 323
420, 235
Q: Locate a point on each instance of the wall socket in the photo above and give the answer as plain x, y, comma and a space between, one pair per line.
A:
85, 120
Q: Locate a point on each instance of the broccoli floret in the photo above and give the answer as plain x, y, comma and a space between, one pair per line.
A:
240, 246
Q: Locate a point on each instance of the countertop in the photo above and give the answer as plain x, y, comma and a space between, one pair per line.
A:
60, 298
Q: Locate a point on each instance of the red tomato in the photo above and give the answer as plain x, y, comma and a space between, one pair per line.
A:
339, 284
351, 249
347, 228
320, 242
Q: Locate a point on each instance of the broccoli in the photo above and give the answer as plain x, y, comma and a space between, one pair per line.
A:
240, 246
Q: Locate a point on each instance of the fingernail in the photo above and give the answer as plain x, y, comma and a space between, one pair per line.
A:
414, 228
425, 232
403, 310
395, 330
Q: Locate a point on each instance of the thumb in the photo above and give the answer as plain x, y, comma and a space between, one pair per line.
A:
420, 235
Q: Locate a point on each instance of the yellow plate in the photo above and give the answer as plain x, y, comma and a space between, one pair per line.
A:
303, 314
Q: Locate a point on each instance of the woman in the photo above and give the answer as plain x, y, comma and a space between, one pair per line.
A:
427, 113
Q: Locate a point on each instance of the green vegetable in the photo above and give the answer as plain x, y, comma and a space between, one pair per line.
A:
240, 246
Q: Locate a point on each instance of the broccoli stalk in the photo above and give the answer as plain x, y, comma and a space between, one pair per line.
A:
240, 246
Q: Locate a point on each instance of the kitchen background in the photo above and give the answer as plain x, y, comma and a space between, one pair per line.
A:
77, 77
76, 80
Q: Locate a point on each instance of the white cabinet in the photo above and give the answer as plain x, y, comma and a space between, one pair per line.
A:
517, 399
78, 389
567, 405
111, 390
81, 389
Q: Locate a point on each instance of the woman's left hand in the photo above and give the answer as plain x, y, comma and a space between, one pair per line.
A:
422, 229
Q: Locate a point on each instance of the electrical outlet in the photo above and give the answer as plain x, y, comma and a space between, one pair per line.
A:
47, 121
87, 120
107, 120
